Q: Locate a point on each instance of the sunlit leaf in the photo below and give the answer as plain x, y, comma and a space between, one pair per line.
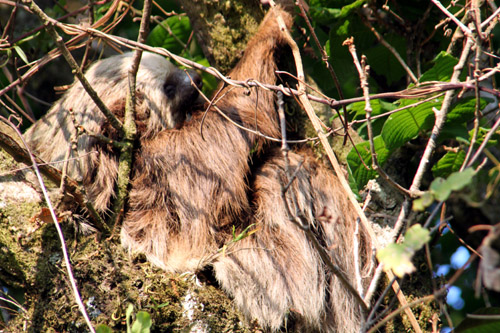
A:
416, 236
423, 202
442, 188
142, 323
103, 329
21, 54
397, 258
464, 109
442, 69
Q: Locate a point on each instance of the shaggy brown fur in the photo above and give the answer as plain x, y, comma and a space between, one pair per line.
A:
164, 97
189, 191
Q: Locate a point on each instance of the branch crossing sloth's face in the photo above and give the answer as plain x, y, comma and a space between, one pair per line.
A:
170, 93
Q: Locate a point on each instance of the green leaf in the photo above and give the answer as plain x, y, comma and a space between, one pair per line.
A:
441, 188
416, 237
21, 54
142, 323
482, 132
347, 9
359, 172
383, 62
397, 258
459, 180
463, 111
423, 202
456, 131
481, 325
209, 81
323, 15
442, 69
342, 30
128, 314
357, 110
243, 234
103, 329
171, 34
405, 125
450, 162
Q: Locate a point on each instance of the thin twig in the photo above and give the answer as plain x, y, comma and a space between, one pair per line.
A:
129, 125
49, 26
391, 49
20, 154
67, 261
465, 30
440, 119
363, 70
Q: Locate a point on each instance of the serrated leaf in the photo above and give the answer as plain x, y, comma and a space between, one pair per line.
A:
142, 323
171, 34
405, 125
395, 257
463, 111
442, 69
378, 107
416, 237
359, 172
481, 325
450, 162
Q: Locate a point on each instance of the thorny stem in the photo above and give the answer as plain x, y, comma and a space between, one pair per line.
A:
477, 111
395, 284
49, 26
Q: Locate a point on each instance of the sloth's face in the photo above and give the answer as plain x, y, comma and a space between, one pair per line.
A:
169, 94
182, 88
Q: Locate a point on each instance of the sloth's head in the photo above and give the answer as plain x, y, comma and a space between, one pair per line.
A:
165, 93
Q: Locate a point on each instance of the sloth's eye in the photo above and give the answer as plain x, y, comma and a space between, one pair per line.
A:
169, 90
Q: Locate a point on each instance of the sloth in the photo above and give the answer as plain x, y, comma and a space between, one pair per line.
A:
165, 96
191, 193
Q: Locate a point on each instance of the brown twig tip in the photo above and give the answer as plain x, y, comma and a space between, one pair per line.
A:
348, 42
